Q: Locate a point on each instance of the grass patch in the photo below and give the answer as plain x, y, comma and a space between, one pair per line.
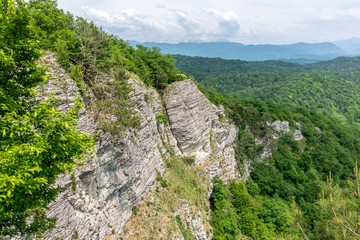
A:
189, 160
183, 229
135, 210
161, 118
181, 183
161, 180
186, 181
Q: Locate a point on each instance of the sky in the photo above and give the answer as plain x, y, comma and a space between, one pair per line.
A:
245, 21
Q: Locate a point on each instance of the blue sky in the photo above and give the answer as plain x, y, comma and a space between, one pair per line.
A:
245, 21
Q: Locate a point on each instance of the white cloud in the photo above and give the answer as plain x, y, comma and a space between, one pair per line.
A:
247, 21
339, 13
227, 23
130, 24
176, 25
97, 15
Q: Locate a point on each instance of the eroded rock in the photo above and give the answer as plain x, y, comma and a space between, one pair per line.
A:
102, 192
200, 129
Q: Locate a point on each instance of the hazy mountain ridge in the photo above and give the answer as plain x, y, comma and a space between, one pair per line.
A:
297, 52
351, 46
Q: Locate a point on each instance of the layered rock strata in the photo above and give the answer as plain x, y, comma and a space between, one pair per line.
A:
201, 129
102, 192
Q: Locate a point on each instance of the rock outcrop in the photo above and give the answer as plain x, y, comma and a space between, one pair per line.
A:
201, 129
269, 142
101, 194
284, 127
194, 221
99, 198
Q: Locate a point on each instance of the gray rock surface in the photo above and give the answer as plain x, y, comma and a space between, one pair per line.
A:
201, 129
281, 126
194, 221
110, 183
269, 143
99, 198
284, 126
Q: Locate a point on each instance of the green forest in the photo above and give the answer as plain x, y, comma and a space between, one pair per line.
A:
307, 189
329, 88
290, 195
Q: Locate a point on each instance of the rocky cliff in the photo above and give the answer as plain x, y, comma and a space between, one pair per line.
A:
105, 189
201, 129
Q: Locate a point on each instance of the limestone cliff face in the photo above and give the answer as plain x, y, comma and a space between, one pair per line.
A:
201, 129
100, 196
112, 182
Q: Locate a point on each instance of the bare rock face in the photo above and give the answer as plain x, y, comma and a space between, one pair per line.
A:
116, 179
279, 127
99, 197
191, 116
200, 129
284, 127
102, 192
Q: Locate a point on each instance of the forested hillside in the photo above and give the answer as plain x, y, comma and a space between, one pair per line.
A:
343, 67
330, 88
307, 188
302, 191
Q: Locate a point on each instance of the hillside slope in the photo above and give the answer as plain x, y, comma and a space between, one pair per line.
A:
104, 189
329, 87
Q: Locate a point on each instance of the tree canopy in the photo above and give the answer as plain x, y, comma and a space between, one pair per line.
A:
37, 142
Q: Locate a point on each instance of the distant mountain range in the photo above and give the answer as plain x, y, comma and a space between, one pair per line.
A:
297, 52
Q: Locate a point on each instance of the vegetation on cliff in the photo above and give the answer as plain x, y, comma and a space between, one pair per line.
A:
37, 142
307, 189
292, 179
